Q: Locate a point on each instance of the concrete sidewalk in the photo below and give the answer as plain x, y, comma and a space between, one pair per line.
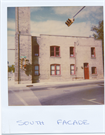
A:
13, 86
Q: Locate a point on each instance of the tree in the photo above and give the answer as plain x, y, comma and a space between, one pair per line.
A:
11, 68
99, 34
99, 31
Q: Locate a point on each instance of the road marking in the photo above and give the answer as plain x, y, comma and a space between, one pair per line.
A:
92, 100
21, 99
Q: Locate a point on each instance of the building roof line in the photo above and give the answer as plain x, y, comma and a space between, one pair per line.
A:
65, 36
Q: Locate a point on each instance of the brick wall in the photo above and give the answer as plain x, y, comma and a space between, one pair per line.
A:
83, 55
23, 39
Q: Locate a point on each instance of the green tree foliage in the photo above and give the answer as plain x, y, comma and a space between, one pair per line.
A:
11, 68
99, 34
28, 70
98, 31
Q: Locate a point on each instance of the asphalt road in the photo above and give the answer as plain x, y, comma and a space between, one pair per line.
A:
91, 94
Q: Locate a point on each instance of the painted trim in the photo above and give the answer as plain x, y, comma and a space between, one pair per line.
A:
37, 70
38, 50
55, 69
73, 51
94, 52
54, 51
73, 70
95, 70
84, 70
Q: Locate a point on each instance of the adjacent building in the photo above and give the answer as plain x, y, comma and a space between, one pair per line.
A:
54, 57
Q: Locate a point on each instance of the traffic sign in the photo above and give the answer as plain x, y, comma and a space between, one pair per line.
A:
22, 56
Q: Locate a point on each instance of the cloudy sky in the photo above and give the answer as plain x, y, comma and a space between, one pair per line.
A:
51, 20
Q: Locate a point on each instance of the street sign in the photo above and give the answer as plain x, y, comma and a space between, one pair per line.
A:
22, 56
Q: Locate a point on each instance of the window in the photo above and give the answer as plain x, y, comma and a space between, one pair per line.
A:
86, 65
36, 70
94, 70
55, 51
55, 69
36, 50
93, 52
72, 53
72, 69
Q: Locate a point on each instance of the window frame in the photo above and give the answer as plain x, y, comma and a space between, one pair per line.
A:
37, 70
55, 51
35, 49
95, 69
71, 69
93, 52
73, 51
55, 69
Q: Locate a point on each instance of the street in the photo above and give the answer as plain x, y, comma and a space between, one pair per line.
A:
90, 94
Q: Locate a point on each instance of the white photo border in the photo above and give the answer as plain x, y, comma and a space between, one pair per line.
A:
95, 115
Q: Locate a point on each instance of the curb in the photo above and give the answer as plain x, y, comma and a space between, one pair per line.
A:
45, 86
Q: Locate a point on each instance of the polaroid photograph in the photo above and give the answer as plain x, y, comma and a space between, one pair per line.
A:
53, 73
52, 61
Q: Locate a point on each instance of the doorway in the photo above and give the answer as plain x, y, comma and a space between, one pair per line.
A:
86, 70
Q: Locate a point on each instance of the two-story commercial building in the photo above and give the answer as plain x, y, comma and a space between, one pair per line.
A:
64, 58
54, 57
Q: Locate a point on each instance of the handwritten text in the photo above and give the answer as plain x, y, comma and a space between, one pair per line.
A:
21, 123
72, 122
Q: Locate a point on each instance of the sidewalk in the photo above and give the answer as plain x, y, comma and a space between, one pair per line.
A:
13, 86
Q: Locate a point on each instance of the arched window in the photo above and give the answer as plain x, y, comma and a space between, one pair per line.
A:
36, 50
55, 51
72, 52
93, 54
36, 70
55, 69
72, 69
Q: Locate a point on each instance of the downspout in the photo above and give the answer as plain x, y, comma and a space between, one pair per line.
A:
18, 46
75, 59
18, 58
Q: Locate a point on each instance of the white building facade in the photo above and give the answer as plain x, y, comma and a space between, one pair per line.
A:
65, 58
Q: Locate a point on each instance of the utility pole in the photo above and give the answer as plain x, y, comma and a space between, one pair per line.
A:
19, 58
68, 23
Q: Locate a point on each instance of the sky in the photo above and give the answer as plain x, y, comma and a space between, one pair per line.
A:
51, 20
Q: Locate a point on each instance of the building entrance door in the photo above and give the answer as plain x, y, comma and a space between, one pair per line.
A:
86, 70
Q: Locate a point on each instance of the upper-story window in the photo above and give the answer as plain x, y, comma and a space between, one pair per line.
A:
94, 70
55, 51
93, 54
36, 50
72, 52
55, 69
